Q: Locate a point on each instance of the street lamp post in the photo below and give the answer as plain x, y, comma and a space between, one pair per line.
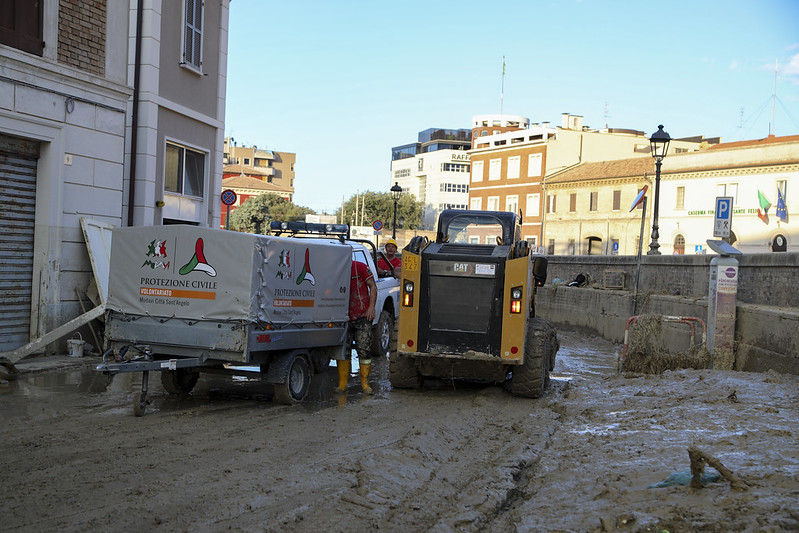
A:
659, 145
396, 190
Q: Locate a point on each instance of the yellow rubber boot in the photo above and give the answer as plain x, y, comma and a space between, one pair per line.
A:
343, 366
365, 368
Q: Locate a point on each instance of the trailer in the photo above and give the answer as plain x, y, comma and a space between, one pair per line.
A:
184, 300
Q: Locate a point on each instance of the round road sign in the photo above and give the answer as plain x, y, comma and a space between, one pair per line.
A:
228, 197
377, 225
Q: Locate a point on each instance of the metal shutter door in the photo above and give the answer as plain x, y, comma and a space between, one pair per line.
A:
18, 159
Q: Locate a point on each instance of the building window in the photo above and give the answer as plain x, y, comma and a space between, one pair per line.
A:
573, 202
551, 247
476, 204
679, 245
193, 34
534, 165
512, 203
680, 198
21, 25
593, 201
493, 203
401, 173
728, 189
246, 161
494, 169
571, 247
533, 205
477, 171
532, 240
184, 171
453, 187
616, 200
513, 166
550, 203
421, 164
454, 167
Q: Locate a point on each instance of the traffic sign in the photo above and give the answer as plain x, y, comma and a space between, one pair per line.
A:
722, 224
639, 198
377, 225
229, 197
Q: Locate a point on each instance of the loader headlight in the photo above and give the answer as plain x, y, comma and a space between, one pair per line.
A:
407, 294
516, 300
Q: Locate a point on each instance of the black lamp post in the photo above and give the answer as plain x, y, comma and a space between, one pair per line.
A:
396, 190
659, 145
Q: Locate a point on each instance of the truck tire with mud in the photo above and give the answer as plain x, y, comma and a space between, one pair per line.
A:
531, 378
382, 333
180, 380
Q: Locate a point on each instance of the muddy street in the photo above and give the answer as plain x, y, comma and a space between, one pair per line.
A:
455, 456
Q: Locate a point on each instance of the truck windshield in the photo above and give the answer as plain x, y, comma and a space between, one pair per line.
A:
474, 229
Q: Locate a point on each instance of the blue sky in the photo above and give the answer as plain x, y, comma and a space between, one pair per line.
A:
340, 83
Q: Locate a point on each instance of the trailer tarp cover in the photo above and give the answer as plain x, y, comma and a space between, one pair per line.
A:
195, 273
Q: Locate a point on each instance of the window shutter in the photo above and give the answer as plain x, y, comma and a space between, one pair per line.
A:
21, 25
192, 44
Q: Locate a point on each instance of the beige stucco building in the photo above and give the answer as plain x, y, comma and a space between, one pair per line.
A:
591, 202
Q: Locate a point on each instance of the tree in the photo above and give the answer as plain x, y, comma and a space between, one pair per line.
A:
380, 206
255, 214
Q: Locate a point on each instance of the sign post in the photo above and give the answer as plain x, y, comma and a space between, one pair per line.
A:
228, 198
722, 296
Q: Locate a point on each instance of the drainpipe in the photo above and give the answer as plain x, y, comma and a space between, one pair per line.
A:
134, 116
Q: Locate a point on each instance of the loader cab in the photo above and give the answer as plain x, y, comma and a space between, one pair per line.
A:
491, 228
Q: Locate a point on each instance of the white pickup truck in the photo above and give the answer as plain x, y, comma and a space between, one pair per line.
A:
387, 305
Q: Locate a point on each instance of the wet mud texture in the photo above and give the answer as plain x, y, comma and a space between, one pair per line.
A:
452, 457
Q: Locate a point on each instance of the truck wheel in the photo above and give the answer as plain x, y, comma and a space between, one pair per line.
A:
179, 381
381, 336
297, 383
402, 372
531, 378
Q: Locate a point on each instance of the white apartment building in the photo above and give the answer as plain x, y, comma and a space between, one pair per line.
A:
435, 170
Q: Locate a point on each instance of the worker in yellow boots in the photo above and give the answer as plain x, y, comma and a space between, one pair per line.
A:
363, 296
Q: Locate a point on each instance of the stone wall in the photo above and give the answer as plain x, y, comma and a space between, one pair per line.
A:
767, 310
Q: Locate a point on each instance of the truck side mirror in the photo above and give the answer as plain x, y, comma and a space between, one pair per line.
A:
540, 271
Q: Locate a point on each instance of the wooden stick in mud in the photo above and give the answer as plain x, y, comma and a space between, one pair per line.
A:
698, 460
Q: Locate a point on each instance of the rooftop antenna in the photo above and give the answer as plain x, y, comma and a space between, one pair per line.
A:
502, 91
771, 130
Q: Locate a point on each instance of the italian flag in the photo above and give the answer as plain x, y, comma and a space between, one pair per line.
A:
764, 205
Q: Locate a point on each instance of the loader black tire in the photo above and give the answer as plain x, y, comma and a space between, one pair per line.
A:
531, 379
402, 372
179, 381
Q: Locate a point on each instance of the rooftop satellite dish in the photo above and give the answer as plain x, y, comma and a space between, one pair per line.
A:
723, 248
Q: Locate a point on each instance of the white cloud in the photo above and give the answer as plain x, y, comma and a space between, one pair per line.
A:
734, 65
792, 68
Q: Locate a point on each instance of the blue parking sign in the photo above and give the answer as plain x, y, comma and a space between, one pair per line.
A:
722, 224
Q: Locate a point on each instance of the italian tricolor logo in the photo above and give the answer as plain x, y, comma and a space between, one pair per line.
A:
198, 262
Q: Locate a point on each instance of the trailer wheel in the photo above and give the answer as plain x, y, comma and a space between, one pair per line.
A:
298, 381
179, 381
403, 373
381, 336
139, 403
531, 378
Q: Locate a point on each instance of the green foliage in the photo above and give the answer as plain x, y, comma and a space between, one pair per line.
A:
255, 214
380, 206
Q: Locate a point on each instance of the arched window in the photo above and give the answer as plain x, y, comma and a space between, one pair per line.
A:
679, 245
594, 246
779, 244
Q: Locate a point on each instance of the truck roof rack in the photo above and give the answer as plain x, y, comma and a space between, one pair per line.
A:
279, 228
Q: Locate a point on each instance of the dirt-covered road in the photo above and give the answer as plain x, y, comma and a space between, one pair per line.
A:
451, 457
